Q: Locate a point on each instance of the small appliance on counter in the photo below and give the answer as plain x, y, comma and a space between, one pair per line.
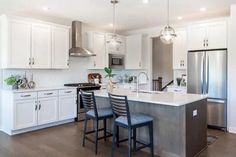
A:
80, 106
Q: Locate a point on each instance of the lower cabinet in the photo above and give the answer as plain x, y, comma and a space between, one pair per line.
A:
24, 111
67, 107
25, 114
47, 110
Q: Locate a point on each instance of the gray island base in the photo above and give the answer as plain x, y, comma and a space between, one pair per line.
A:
180, 125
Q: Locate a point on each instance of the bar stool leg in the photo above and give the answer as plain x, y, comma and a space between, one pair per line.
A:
114, 140
105, 129
96, 140
117, 136
151, 139
134, 139
85, 130
130, 141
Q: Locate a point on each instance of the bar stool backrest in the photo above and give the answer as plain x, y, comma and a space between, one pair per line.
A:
89, 101
120, 106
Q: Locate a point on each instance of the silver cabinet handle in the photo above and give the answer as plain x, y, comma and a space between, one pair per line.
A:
48, 93
68, 92
29, 61
25, 96
39, 105
33, 61
204, 43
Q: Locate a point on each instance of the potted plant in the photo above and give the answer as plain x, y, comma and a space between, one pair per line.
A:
109, 74
12, 81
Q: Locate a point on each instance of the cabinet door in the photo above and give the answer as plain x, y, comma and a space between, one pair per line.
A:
180, 50
196, 37
67, 107
19, 44
99, 61
133, 52
41, 46
60, 47
25, 114
217, 35
47, 110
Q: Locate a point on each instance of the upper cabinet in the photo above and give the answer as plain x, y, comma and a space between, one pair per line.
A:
17, 51
41, 46
180, 50
96, 43
134, 49
60, 47
28, 44
208, 36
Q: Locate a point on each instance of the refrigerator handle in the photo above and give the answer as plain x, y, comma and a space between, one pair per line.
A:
207, 74
202, 75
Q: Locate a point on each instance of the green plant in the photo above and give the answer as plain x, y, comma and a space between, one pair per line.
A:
12, 80
109, 72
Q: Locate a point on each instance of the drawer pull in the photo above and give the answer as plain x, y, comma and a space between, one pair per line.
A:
25, 95
48, 93
68, 92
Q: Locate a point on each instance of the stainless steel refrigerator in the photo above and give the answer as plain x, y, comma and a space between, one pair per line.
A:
207, 74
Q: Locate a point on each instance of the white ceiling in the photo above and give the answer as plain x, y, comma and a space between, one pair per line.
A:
131, 14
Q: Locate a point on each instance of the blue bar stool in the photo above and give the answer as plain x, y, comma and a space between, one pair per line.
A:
123, 118
93, 113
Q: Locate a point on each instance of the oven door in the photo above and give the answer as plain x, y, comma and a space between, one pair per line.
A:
116, 61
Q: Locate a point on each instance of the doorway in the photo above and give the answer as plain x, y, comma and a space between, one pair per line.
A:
162, 64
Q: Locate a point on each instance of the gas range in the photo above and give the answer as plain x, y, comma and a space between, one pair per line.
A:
80, 105
84, 86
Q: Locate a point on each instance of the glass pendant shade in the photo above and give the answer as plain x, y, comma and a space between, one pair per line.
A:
168, 35
114, 42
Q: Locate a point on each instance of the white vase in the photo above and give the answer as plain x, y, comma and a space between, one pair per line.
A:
110, 86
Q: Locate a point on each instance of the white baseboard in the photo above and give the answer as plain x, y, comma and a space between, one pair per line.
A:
15, 132
232, 130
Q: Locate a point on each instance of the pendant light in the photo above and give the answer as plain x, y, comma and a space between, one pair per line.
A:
168, 33
113, 41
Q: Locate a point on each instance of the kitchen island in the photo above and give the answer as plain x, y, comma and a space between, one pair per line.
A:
180, 120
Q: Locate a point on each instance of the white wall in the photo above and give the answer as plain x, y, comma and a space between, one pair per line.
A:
232, 72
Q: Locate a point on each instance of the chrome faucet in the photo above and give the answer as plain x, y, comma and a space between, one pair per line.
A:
137, 88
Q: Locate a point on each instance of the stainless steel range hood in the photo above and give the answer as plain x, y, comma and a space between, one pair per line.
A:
77, 50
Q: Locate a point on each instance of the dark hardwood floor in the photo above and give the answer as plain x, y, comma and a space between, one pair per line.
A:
65, 141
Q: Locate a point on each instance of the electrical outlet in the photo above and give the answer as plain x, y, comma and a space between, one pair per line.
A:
194, 113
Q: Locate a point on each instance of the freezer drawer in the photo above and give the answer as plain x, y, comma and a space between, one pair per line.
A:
216, 113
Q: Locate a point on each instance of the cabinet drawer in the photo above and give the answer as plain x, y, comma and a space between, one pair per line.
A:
67, 92
49, 93
27, 95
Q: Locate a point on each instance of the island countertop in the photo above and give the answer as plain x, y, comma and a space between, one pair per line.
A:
163, 98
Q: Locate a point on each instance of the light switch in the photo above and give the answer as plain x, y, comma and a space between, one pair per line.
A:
194, 113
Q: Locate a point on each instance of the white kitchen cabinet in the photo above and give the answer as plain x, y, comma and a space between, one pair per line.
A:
26, 44
134, 49
180, 50
208, 36
217, 35
60, 47
99, 48
25, 113
41, 46
15, 53
47, 110
67, 107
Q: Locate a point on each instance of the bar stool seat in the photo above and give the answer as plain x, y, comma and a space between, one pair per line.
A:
136, 119
102, 113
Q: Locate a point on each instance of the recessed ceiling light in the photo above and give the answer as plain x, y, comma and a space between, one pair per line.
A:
203, 9
179, 17
111, 25
145, 1
46, 8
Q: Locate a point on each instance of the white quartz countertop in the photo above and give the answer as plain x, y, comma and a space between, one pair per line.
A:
37, 89
163, 98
